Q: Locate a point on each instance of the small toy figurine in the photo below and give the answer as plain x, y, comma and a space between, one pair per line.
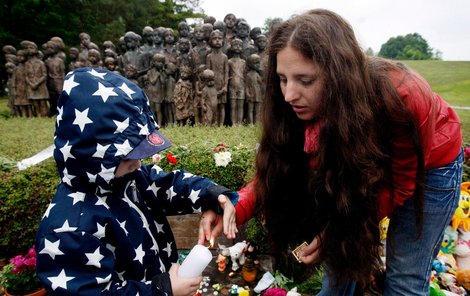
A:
236, 253
461, 215
221, 262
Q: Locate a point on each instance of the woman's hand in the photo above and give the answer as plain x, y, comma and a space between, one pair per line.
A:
212, 224
183, 286
311, 253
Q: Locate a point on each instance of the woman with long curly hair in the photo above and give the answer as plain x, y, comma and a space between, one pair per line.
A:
348, 139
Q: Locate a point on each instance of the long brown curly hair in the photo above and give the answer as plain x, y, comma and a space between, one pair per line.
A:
359, 110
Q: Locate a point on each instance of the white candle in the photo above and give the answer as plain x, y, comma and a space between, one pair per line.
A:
196, 261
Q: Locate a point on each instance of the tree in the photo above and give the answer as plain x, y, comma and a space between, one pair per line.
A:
409, 47
269, 23
39, 20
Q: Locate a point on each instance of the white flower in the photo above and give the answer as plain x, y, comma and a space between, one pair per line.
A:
222, 158
156, 157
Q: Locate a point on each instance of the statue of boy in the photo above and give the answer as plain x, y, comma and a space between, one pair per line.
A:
155, 87
254, 88
22, 104
217, 61
236, 82
55, 74
36, 76
209, 98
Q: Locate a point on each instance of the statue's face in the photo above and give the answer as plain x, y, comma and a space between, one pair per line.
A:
198, 34
255, 64
169, 38
243, 31
156, 38
236, 47
184, 47
21, 58
184, 31
85, 39
131, 43
31, 49
261, 43
217, 40
230, 21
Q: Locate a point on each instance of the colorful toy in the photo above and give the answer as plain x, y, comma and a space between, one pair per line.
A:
221, 262
450, 240
461, 216
236, 253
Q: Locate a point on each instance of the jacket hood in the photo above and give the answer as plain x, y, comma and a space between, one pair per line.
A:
101, 117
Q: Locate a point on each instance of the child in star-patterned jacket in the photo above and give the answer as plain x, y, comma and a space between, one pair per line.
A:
105, 231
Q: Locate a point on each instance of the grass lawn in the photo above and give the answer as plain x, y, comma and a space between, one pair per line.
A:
451, 80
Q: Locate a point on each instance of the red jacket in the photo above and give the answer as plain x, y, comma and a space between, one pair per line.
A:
441, 138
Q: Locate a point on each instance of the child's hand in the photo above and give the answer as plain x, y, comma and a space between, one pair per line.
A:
212, 224
183, 286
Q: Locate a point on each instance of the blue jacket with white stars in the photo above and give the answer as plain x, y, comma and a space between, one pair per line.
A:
103, 235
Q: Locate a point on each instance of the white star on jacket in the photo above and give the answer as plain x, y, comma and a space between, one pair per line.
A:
81, 118
97, 74
94, 258
129, 92
104, 92
77, 196
69, 84
123, 149
121, 125
66, 151
51, 248
101, 150
60, 281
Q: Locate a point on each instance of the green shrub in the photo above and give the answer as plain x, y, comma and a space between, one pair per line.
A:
24, 196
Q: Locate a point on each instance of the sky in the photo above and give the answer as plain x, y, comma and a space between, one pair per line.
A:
444, 24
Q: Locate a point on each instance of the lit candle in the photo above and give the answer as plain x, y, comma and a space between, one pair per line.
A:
196, 261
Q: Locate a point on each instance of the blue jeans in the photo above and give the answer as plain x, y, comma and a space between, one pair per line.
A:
408, 263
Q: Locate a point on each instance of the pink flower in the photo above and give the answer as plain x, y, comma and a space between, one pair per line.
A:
466, 152
275, 292
156, 157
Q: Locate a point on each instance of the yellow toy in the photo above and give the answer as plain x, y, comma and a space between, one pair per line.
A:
461, 216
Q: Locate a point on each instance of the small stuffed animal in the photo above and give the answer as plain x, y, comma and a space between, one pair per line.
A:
236, 253
449, 241
461, 216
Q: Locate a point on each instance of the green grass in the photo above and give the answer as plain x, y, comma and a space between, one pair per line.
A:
451, 80
24, 137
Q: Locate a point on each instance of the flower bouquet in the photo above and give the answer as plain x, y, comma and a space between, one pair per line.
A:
19, 276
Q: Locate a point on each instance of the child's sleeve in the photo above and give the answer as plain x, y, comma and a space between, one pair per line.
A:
180, 192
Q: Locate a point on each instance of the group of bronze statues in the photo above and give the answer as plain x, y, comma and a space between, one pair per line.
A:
188, 76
